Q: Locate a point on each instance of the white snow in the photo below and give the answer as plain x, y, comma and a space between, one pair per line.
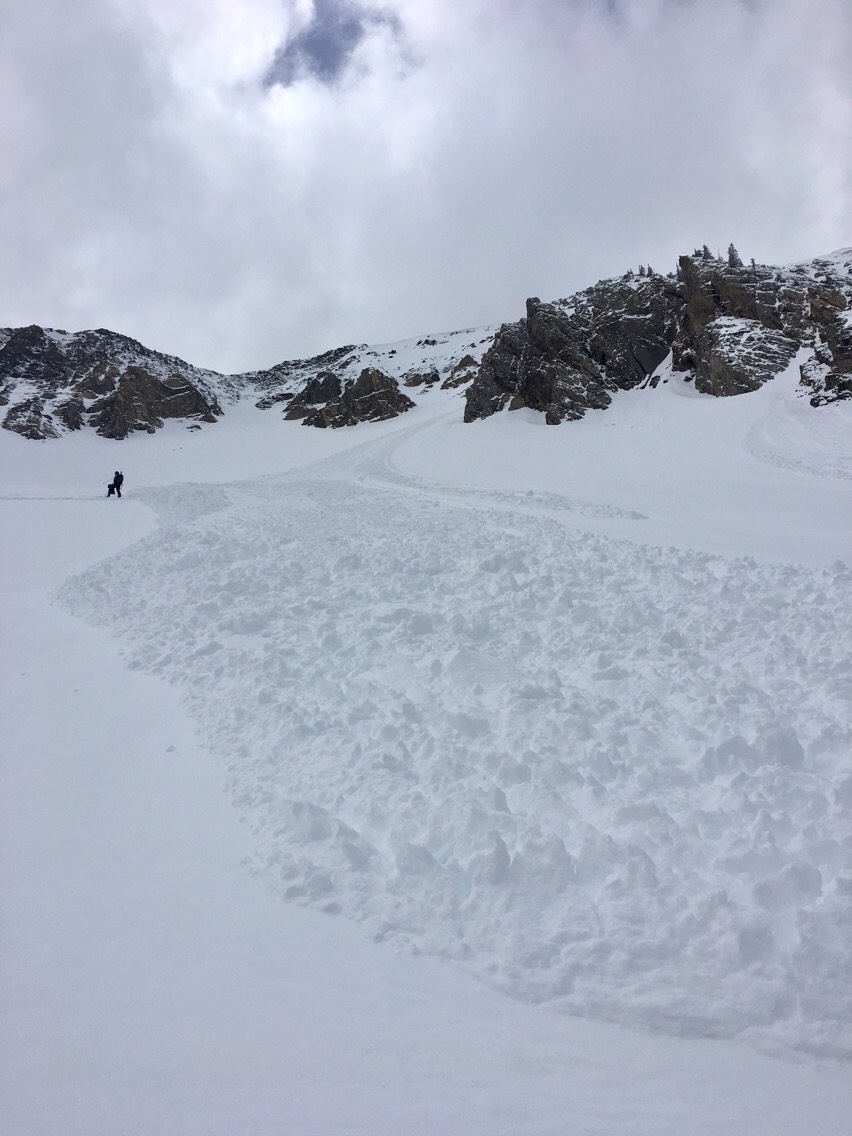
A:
564, 710
408, 359
840, 260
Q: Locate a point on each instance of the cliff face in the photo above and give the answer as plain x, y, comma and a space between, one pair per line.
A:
567, 357
729, 328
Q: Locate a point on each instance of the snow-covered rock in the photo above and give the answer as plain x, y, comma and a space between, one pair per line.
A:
727, 328
328, 401
55, 382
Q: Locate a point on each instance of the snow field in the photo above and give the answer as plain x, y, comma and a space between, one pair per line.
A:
600, 774
149, 985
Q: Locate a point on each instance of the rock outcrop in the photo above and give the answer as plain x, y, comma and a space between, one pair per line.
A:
98, 379
30, 419
431, 362
52, 382
726, 327
329, 401
729, 328
568, 357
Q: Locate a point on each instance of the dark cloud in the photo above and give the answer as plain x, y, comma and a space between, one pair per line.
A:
325, 47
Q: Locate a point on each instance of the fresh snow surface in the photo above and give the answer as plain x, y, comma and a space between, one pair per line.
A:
566, 710
409, 359
838, 261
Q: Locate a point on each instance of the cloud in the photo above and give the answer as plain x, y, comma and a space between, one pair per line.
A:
324, 48
153, 182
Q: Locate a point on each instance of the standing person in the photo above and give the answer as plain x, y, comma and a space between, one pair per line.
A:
116, 483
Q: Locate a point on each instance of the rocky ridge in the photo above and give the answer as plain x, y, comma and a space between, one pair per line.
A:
727, 327
54, 382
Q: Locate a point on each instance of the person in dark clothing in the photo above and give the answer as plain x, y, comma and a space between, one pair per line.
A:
115, 484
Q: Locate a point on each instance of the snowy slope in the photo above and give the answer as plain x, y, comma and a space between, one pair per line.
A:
568, 707
411, 362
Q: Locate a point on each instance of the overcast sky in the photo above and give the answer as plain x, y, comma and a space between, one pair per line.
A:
244, 181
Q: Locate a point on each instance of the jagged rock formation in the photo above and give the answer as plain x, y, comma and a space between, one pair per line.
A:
52, 382
329, 401
30, 420
99, 379
729, 328
283, 381
566, 357
738, 355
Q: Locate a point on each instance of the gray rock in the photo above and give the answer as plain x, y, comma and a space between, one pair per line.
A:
729, 328
30, 420
98, 379
319, 390
566, 358
422, 378
738, 355
372, 397
463, 372
141, 401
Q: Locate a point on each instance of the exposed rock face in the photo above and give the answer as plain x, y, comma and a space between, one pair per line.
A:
30, 420
141, 401
566, 357
422, 378
828, 375
282, 381
727, 327
329, 401
323, 388
740, 326
737, 355
98, 379
463, 372
730, 328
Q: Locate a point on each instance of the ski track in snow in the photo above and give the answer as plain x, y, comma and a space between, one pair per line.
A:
603, 775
